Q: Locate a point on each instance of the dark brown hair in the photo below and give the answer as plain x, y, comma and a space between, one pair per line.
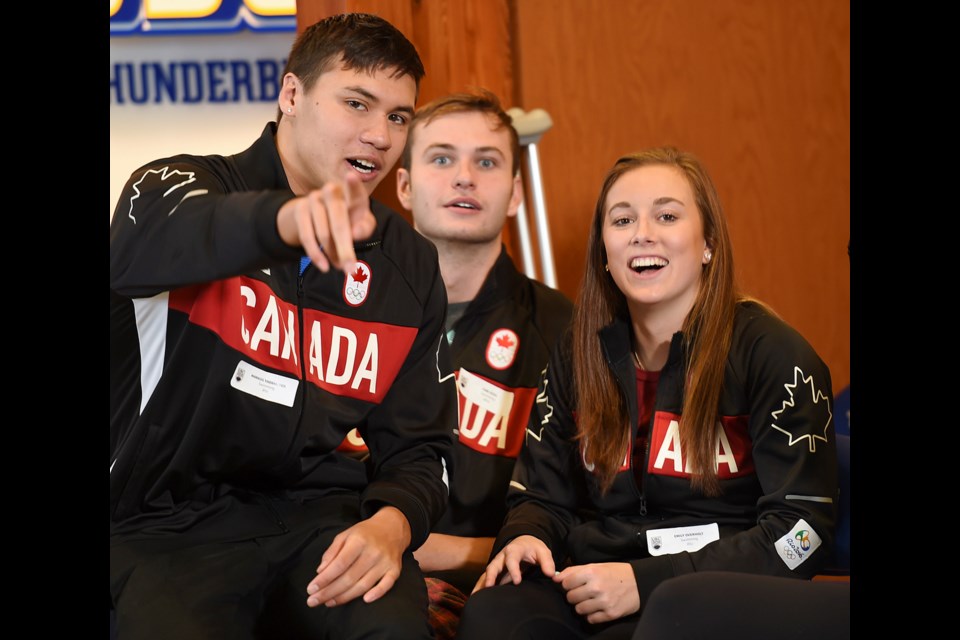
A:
359, 41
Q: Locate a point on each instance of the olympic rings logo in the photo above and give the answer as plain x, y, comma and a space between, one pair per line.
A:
502, 348
356, 285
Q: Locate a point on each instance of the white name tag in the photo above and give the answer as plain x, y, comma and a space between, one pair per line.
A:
482, 393
263, 384
678, 539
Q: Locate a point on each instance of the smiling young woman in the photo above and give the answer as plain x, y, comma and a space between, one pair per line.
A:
679, 427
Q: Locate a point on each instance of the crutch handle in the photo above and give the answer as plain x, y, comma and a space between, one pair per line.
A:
530, 125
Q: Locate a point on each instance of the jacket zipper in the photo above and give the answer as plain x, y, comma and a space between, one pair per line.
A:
646, 447
300, 327
643, 490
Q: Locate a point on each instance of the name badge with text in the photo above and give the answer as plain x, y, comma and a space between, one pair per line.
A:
264, 384
678, 539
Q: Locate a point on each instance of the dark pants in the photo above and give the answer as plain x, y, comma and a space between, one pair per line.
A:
535, 609
718, 605
256, 588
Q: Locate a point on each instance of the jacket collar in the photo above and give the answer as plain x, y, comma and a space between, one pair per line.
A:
616, 343
499, 284
260, 164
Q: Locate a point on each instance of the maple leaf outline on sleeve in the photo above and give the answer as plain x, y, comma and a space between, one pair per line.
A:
441, 376
815, 396
166, 174
542, 399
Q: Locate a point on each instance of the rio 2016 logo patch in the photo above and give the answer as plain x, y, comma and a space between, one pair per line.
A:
797, 544
356, 284
502, 348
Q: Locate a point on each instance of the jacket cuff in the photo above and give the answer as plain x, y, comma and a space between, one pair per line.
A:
371, 502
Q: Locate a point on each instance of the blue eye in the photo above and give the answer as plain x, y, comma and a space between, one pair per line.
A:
487, 163
441, 161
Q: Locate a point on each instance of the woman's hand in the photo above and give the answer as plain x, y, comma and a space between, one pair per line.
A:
601, 592
507, 565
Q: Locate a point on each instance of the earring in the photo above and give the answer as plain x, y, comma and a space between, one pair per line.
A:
289, 109
607, 267
708, 255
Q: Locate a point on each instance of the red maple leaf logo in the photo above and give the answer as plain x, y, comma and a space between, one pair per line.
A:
359, 275
505, 341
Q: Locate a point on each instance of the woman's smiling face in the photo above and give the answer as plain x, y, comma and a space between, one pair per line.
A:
653, 236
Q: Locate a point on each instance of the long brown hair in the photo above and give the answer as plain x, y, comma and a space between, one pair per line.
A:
602, 416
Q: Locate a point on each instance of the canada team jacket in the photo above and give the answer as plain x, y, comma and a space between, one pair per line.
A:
500, 348
234, 377
777, 465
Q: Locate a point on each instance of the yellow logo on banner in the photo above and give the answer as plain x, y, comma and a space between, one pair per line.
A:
195, 16
180, 8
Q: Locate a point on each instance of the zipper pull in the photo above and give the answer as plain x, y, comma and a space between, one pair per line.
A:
643, 506
304, 262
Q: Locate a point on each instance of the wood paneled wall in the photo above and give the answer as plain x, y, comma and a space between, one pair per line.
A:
758, 89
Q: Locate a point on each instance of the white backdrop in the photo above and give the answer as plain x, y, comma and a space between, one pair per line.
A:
142, 132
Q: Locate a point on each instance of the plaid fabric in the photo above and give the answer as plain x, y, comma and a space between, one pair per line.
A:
446, 605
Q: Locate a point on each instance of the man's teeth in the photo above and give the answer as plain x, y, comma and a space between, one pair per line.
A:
362, 165
646, 262
464, 205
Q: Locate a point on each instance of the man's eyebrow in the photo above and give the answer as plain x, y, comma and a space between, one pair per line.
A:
490, 150
443, 146
446, 146
366, 94
376, 100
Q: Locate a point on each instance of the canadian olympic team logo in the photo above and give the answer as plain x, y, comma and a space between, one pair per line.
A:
356, 284
502, 348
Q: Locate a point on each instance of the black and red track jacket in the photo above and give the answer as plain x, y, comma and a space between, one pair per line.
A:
777, 464
234, 377
500, 347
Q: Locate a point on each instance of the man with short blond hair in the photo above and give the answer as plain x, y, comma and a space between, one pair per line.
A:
460, 179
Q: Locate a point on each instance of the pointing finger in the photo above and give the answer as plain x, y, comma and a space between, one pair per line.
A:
334, 198
362, 222
312, 229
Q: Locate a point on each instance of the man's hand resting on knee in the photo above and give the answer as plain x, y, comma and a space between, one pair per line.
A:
364, 560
